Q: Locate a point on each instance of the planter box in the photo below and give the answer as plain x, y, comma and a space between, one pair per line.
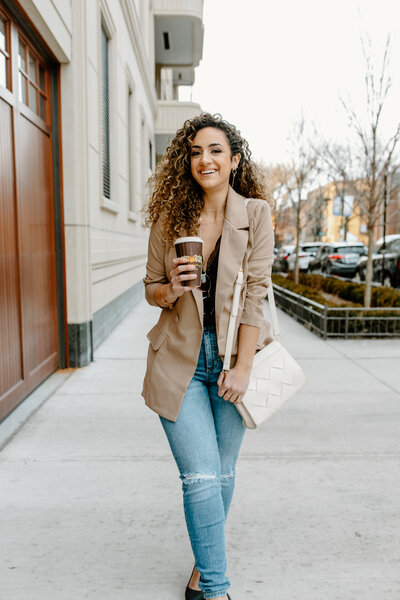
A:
346, 322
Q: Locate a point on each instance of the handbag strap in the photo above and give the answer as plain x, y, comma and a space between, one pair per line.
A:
232, 320
233, 315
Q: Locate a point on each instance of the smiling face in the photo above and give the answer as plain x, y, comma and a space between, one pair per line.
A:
210, 160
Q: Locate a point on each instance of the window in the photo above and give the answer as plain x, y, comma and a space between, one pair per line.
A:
32, 78
395, 246
150, 156
130, 150
144, 167
312, 249
4, 54
349, 250
105, 97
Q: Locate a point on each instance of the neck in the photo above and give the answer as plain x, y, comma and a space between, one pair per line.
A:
215, 199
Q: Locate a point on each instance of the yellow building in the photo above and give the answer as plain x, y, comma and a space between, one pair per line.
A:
331, 215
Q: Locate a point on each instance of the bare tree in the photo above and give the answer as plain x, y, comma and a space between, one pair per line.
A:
277, 177
374, 154
303, 170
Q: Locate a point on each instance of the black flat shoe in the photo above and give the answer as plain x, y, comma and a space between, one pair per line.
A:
193, 594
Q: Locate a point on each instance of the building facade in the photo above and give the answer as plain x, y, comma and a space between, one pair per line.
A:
89, 96
332, 216
389, 218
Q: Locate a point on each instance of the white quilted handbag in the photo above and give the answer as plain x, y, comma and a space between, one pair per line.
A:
275, 375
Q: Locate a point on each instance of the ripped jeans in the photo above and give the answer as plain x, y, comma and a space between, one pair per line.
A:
205, 442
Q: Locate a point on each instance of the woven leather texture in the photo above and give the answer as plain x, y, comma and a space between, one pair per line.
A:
275, 377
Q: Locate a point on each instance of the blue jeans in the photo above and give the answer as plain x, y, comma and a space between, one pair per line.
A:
205, 442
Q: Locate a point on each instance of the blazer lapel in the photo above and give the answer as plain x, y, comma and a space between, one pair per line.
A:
198, 298
235, 234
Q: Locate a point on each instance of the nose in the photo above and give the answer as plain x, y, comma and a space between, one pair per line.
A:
205, 158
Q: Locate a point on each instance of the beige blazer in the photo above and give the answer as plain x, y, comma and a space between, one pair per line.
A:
175, 341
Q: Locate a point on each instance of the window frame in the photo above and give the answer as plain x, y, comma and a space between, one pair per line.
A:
7, 52
44, 92
106, 23
131, 128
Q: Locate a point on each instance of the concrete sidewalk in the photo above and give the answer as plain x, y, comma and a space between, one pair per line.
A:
91, 501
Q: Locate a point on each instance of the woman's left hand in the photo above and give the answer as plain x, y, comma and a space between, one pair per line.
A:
233, 384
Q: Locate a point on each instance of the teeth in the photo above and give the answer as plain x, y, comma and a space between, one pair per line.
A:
206, 172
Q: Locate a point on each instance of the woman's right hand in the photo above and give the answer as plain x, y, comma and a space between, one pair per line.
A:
181, 265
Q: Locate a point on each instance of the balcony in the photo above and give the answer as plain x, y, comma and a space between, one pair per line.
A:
178, 29
178, 34
171, 115
193, 8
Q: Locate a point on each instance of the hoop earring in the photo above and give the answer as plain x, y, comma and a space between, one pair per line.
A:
234, 171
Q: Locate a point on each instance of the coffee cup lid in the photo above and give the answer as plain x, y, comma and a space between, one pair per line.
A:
188, 239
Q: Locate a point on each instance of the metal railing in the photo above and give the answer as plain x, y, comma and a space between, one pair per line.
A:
340, 321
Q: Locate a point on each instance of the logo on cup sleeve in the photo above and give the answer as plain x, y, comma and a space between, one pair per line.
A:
196, 258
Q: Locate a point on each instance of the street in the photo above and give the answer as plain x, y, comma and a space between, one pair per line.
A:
91, 500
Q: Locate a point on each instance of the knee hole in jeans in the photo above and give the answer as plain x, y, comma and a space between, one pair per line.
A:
230, 475
191, 478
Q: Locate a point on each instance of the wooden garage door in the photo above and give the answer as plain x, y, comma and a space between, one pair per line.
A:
28, 302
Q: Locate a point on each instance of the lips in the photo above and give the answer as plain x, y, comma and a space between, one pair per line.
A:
208, 172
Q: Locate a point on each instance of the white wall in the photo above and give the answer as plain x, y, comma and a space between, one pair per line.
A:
106, 241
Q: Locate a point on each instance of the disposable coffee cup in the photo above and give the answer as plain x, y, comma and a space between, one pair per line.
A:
192, 249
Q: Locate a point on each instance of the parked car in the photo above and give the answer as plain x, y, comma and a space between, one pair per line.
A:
307, 251
340, 258
385, 262
281, 258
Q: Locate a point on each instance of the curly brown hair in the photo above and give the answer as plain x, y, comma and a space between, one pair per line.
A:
177, 197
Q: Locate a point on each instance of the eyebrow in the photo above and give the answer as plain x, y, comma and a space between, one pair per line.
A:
209, 145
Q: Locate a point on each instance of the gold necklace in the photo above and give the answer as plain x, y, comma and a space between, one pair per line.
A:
220, 214
208, 220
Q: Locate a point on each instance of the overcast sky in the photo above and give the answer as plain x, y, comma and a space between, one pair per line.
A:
265, 61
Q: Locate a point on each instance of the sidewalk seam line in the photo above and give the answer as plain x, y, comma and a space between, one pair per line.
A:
369, 372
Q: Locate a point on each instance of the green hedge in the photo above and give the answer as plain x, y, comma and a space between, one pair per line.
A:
301, 289
365, 324
381, 297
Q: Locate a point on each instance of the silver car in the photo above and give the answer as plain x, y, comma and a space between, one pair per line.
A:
307, 251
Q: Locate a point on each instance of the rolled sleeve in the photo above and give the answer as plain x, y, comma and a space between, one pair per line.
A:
155, 267
259, 267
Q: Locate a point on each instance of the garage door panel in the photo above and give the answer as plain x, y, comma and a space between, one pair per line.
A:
28, 283
38, 258
10, 317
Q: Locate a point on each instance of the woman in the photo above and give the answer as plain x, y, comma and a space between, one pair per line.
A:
199, 189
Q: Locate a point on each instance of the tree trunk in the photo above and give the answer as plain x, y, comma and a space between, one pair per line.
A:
296, 263
298, 232
368, 274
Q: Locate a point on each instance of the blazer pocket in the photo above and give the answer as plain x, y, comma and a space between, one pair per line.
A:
156, 337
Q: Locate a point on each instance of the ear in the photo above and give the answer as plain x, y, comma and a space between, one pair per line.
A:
236, 160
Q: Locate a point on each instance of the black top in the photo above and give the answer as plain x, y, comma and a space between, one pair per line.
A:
209, 283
